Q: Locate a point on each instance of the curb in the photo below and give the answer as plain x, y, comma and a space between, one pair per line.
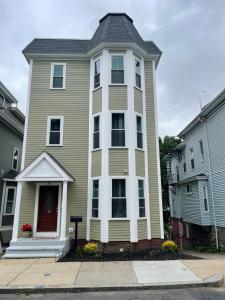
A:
213, 281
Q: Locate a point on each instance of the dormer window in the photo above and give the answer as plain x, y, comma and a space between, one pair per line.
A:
58, 74
117, 69
97, 74
138, 73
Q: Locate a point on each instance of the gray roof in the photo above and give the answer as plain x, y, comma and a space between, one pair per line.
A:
113, 28
11, 174
206, 111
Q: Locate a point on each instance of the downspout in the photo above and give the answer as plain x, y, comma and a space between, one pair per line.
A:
202, 119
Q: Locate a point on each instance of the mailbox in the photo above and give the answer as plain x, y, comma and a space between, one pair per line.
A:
76, 220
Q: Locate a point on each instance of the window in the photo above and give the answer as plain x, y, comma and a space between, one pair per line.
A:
192, 158
55, 131
10, 196
95, 197
205, 199
137, 73
118, 130
184, 167
117, 69
188, 189
201, 149
119, 209
177, 173
15, 158
141, 198
97, 74
96, 140
58, 71
139, 133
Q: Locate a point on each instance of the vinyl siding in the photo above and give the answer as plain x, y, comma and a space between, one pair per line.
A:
142, 229
27, 204
117, 97
73, 104
118, 162
138, 101
119, 230
96, 163
140, 163
152, 152
97, 101
95, 229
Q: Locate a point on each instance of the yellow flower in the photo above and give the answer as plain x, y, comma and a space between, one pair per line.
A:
90, 248
170, 246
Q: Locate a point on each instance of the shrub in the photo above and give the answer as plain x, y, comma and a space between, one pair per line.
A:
125, 252
26, 227
170, 246
78, 252
222, 249
90, 248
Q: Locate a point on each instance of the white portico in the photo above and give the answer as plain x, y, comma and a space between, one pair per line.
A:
50, 208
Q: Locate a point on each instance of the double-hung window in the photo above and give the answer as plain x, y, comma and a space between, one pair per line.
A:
117, 75
139, 132
96, 133
10, 196
205, 199
55, 131
141, 198
137, 73
201, 149
188, 189
118, 130
192, 159
15, 158
58, 74
95, 198
97, 74
119, 206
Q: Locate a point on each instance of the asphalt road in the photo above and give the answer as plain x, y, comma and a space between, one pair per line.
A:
179, 294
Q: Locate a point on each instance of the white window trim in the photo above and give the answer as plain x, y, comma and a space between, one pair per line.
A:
100, 82
124, 77
207, 198
64, 76
127, 208
188, 193
93, 120
99, 182
136, 59
15, 148
141, 116
61, 130
137, 189
5, 200
125, 128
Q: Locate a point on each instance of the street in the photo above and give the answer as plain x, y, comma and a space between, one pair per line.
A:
184, 294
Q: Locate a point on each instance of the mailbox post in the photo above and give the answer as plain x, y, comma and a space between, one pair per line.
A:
76, 220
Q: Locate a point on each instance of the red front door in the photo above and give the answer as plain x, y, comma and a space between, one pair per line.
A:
47, 209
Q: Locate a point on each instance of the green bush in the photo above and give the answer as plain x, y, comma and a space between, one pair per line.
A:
78, 252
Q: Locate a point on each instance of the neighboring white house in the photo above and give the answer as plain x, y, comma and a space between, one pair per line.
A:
196, 176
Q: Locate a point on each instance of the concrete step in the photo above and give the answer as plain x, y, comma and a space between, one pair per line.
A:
30, 255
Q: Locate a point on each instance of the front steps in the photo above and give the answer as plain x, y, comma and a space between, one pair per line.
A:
34, 248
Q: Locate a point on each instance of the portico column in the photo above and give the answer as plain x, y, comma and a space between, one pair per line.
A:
63, 211
17, 212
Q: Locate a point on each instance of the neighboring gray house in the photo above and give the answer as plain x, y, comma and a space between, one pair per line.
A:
11, 141
196, 177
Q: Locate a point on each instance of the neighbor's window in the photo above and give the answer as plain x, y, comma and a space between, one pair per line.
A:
15, 158
95, 198
138, 73
117, 69
97, 74
205, 199
119, 209
118, 130
58, 71
184, 167
96, 133
201, 149
55, 131
141, 198
177, 173
10, 197
188, 188
192, 158
139, 132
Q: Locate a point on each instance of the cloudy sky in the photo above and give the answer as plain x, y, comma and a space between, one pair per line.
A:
190, 33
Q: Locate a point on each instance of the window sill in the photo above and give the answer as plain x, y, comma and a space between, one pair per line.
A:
97, 149
118, 147
142, 218
54, 145
8, 214
97, 88
93, 218
117, 84
189, 193
140, 149
51, 88
139, 89
119, 219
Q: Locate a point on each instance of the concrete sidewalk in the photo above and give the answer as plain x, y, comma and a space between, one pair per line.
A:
45, 273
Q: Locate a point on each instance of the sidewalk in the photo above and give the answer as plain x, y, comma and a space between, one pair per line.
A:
45, 273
